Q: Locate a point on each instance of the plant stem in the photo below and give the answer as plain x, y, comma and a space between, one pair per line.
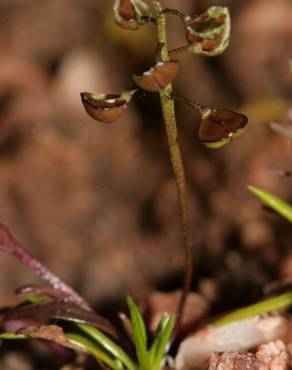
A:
190, 103
175, 12
178, 50
167, 106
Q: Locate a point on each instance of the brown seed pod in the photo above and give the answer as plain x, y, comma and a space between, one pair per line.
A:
158, 76
218, 127
106, 107
131, 14
209, 33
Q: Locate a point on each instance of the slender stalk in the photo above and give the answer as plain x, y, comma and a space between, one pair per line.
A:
175, 12
189, 102
180, 49
168, 111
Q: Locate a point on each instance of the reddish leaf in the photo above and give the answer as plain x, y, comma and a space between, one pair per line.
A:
11, 246
42, 291
42, 312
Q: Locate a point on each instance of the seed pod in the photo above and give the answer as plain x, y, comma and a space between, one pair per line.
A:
209, 33
157, 77
131, 14
218, 127
106, 107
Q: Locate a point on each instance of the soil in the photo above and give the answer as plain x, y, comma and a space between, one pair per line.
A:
97, 202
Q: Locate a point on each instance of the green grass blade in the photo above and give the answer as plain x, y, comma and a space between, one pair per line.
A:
161, 338
109, 345
135, 312
96, 351
139, 335
12, 336
273, 202
268, 305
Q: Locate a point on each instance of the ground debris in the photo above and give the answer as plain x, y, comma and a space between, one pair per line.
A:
236, 337
271, 356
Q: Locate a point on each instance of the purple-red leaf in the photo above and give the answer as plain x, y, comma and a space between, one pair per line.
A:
43, 312
11, 246
42, 291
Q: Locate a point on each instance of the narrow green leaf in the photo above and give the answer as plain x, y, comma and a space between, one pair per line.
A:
161, 338
139, 335
13, 336
273, 202
35, 299
95, 350
157, 335
268, 305
109, 345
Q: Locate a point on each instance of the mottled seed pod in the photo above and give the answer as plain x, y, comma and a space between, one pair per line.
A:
131, 14
209, 33
218, 127
106, 107
158, 76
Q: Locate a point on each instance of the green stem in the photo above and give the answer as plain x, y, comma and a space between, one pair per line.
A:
167, 106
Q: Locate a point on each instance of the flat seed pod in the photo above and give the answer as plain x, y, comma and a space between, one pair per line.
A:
157, 77
209, 33
131, 14
219, 127
106, 107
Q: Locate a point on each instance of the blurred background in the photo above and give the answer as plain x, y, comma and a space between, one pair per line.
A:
97, 202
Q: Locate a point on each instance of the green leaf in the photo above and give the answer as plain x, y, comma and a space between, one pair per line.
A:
161, 338
109, 345
95, 350
139, 335
270, 200
12, 336
268, 305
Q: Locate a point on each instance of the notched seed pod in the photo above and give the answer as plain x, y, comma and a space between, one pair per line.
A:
131, 14
106, 107
209, 33
218, 127
158, 76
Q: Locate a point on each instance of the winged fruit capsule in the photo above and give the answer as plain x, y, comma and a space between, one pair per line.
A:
218, 127
106, 108
209, 33
158, 76
131, 14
